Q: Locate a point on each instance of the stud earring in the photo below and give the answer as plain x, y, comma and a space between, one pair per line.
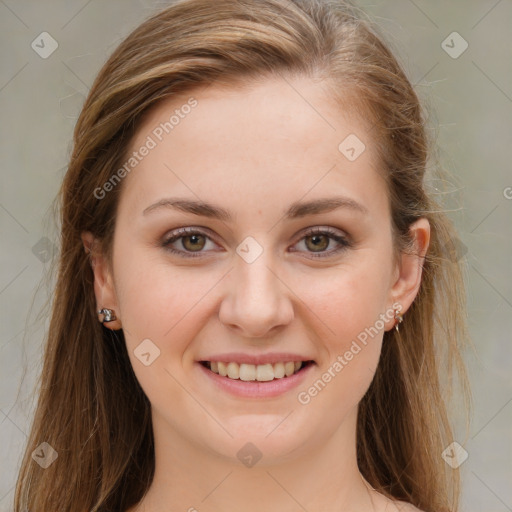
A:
108, 315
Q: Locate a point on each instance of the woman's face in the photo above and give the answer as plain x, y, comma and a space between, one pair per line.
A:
286, 256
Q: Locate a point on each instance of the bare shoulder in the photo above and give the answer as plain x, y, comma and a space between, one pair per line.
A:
387, 504
402, 506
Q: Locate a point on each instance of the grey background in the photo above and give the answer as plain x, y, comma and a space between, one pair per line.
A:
470, 100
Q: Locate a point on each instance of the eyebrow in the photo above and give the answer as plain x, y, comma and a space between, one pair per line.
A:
296, 210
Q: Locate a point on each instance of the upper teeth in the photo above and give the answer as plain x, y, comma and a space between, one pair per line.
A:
259, 372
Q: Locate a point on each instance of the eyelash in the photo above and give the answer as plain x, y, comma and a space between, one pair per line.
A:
186, 232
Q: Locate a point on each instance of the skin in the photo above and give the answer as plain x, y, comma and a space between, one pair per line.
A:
255, 151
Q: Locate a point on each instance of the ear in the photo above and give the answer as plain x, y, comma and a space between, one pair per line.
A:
103, 279
409, 271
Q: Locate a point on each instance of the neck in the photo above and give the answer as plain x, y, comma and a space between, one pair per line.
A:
193, 477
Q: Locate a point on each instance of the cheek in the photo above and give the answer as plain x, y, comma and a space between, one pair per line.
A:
168, 306
346, 300
346, 312
162, 302
344, 306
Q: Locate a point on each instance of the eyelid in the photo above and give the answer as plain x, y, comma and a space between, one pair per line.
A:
190, 230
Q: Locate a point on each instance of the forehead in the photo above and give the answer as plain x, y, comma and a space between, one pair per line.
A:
274, 140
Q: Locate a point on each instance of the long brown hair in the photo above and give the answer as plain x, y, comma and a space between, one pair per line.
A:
91, 408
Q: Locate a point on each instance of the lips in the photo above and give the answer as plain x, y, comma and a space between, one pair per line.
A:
265, 388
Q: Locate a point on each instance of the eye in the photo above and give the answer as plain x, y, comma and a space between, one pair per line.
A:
191, 240
319, 239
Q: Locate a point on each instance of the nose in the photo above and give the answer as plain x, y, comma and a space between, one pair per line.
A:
257, 301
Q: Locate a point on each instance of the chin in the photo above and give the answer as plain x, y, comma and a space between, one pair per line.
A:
262, 441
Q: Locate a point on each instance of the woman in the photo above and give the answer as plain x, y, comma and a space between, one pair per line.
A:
255, 287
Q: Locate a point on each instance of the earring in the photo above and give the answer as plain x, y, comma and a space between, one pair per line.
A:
398, 318
108, 315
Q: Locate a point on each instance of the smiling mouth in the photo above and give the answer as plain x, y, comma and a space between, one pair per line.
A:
256, 373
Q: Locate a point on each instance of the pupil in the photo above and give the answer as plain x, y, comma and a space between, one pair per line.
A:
194, 239
317, 241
